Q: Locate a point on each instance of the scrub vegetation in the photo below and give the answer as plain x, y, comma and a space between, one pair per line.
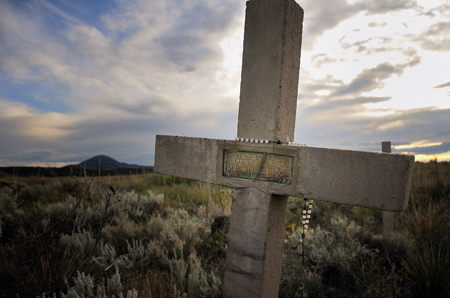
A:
149, 235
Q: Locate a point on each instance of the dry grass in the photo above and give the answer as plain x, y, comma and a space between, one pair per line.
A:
116, 235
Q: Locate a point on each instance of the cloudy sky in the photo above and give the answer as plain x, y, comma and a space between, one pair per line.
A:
80, 78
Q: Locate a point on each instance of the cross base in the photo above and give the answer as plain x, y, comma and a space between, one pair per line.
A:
256, 237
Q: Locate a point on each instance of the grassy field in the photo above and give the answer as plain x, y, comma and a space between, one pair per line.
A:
157, 236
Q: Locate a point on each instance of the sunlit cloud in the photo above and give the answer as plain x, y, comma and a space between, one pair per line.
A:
370, 112
391, 125
323, 92
443, 85
418, 144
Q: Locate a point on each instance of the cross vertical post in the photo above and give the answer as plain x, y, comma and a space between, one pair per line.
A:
267, 109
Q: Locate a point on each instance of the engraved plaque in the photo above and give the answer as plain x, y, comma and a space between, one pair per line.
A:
258, 166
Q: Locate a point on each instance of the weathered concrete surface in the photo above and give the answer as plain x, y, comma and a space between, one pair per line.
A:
388, 217
386, 147
255, 244
267, 108
192, 158
366, 179
270, 70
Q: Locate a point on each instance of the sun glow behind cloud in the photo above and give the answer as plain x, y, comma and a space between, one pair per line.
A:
431, 157
232, 49
423, 144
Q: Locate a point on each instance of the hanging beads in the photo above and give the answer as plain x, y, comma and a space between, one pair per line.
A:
306, 216
252, 140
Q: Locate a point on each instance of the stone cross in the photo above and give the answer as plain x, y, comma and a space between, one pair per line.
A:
263, 167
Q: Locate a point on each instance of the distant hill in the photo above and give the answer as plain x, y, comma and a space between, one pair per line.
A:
104, 162
97, 165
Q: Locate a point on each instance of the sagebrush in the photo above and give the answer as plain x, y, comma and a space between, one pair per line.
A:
157, 236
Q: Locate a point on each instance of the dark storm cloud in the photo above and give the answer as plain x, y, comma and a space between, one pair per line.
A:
189, 40
185, 51
370, 79
344, 129
144, 106
431, 123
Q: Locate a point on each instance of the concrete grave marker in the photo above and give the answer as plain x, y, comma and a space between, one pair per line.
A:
388, 217
263, 167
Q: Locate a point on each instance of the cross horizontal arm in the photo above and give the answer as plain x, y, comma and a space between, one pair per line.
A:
366, 179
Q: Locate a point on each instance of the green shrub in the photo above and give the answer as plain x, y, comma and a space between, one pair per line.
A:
157, 236
338, 263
